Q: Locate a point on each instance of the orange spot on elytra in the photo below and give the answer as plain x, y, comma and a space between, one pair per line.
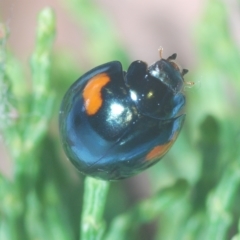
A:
92, 93
160, 150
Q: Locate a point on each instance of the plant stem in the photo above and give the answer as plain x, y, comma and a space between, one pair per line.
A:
92, 224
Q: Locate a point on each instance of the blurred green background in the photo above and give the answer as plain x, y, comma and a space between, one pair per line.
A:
193, 193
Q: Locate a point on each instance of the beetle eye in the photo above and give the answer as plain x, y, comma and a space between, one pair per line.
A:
172, 57
184, 71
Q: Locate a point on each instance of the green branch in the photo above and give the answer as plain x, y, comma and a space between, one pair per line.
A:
92, 223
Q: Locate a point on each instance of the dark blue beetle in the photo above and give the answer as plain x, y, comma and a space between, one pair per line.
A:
114, 124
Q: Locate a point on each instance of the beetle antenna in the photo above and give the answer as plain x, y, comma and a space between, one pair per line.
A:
160, 51
189, 83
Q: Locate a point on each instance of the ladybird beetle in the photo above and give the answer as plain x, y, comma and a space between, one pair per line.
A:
114, 124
